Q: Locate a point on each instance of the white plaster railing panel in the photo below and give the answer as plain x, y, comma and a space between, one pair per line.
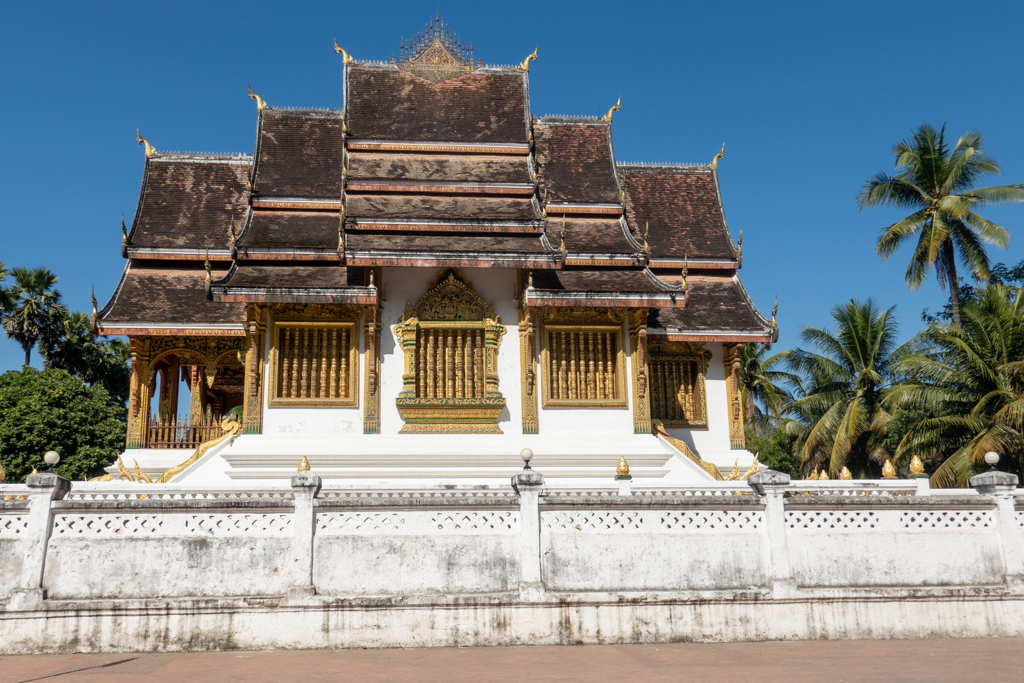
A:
14, 525
13, 534
159, 524
415, 522
798, 521
673, 521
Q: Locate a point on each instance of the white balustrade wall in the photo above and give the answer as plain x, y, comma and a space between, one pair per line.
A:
303, 546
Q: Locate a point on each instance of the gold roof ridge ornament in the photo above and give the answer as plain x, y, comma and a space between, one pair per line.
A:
607, 118
685, 271
647, 231
303, 465
525, 64
234, 235
739, 245
260, 102
209, 269
150, 150
124, 231
92, 296
714, 160
775, 312
561, 246
346, 58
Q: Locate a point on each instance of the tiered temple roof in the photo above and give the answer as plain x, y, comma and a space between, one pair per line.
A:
434, 160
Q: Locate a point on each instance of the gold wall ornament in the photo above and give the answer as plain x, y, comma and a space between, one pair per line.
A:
314, 364
888, 471
260, 103
140, 476
372, 331
528, 365
824, 475
814, 475
255, 328
916, 466
845, 474
720, 155
658, 428
731, 360
525, 64
150, 150
735, 474
33, 471
637, 318
622, 469
303, 465
346, 58
607, 118
450, 340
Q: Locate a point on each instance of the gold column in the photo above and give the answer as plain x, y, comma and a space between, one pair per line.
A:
731, 359
197, 404
138, 410
528, 371
638, 355
252, 405
371, 406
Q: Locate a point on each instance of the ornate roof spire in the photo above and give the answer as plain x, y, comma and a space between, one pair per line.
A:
150, 150
525, 64
124, 231
607, 118
260, 104
346, 58
720, 155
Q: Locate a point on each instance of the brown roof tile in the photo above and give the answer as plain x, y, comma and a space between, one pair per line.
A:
447, 207
717, 302
287, 275
449, 243
575, 163
188, 203
151, 292
299, 154
493, 168
388, 104
683, 209
291, 229
634, 280
589, 235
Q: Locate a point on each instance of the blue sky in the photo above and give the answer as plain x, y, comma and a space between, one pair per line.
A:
808, 97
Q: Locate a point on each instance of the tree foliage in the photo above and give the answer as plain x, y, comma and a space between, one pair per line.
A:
937, 184
70, 344
32, 305
761, 383
51, 410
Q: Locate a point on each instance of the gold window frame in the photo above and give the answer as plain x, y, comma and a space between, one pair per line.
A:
548, 401
350, 401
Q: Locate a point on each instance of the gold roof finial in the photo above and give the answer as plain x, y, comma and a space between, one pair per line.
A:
607, 118
845, 474
544, 204
916, 466
739, 245
150, 150
685, 271
525, 64
303, 465
346, 58
775, 312
248, 184
209, 268
647, 231
231, 229
720, 155
623, 468
124, 231
888, 471
260, 103
561, 247
92, 295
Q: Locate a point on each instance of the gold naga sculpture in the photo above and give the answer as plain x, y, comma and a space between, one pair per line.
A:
720, 155
658, 427
775, 312
346, 58
735, 474
525, 64
260, 102
231, 428
150, 150
754, 468
607, 118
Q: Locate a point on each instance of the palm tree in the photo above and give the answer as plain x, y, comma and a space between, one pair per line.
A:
34, 305
938, 185
5, 294
759, 385
839, 416
970, 379
69, 343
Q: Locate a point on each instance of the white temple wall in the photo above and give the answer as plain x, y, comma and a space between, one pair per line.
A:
10, 556
319, 421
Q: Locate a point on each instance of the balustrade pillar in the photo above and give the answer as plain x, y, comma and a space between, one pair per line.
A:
529, 483
1003, 487
43, 489
771, 486
305, 486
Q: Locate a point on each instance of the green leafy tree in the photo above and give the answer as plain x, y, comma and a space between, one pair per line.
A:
760, 380
51, 410
70, 344
34, 306
774, 449
937, 184
839, 417
970, 381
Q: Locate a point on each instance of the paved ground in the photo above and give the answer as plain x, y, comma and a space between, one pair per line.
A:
934, 661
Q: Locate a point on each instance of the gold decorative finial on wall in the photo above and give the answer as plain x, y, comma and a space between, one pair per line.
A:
720, 155
916, 466
150, 150
735, 474
623, 468
824, 475
888, 471
845, 474
607, 118
303, 465
525, 64
260, 103
346, 58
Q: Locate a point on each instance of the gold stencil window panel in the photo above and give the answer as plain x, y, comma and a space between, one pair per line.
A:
583, 366
678, 394
315, 364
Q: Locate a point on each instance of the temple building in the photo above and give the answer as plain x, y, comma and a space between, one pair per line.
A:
413, 287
